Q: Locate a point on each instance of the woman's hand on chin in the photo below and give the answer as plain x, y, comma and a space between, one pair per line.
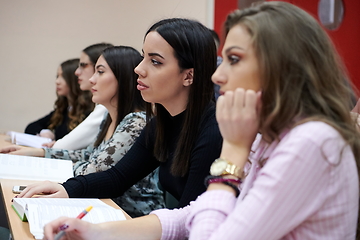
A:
238, 115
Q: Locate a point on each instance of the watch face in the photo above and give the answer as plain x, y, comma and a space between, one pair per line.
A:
218, 167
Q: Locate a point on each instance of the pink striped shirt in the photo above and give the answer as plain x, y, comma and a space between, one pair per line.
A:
308, 189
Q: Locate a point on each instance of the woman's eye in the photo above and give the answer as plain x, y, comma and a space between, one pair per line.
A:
233, 59
154, 62
100, 72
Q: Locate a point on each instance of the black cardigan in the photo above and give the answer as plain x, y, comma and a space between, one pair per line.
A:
43, 123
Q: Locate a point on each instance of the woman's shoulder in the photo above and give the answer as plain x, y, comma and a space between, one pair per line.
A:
317, 136
315, 130
209, 127
133, 119
210, 108
100, 108
49, 115
209, 113
141, 115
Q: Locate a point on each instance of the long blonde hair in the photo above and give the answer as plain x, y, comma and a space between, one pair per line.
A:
302, 75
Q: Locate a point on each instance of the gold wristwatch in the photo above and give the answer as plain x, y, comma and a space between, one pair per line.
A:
222, 167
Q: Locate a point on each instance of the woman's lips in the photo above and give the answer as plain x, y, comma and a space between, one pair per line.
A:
141, 86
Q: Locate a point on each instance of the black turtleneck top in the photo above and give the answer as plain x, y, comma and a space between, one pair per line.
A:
139, 161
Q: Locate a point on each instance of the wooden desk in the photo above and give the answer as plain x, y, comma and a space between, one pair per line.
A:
4, 140
20, 230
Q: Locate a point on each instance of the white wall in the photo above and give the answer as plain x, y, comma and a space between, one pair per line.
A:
37, 35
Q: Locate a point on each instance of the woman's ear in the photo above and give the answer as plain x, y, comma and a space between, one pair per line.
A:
189, 77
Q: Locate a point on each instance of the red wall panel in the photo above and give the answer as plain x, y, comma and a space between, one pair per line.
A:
346, 38
222, 9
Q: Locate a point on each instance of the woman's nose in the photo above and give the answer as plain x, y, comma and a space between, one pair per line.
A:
77, 71
218, 77
139, 70
92, 79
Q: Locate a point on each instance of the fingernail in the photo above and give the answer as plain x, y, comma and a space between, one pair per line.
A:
16, 196
12, 200
63, 227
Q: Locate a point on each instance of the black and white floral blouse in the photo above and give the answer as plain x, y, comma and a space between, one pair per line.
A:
141, 198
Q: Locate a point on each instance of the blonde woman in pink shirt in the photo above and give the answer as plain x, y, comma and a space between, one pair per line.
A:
298, 179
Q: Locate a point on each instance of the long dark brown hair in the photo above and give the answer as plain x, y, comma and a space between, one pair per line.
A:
194, 47
94, 51
122, 61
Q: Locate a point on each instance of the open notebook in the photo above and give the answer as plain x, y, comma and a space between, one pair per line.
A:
39, 211
34, 168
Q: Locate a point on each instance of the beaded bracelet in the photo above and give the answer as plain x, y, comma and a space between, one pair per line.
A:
236, 189
220, 179
227, 181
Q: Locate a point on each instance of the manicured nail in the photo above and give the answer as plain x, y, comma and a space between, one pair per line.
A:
16, 196
63, 227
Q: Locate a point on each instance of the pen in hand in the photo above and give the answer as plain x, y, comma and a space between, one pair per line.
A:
80, 216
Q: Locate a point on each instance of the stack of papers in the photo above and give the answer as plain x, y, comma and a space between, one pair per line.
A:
34, 168
28, 140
